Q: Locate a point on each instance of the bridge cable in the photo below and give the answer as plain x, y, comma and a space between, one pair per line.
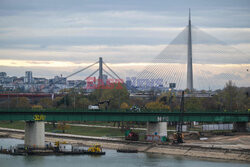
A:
86, 78
108, 74
69, 75
77, 72
81, 70
112, 71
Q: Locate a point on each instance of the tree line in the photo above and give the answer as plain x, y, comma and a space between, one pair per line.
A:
228, 99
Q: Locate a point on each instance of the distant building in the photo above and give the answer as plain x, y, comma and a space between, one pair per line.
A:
105, 78
60, 80
3, 74
28, 77
40, 80
18, 81
71, 83
7, 80
128, 84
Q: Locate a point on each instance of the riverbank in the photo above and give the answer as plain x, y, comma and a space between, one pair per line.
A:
198, 149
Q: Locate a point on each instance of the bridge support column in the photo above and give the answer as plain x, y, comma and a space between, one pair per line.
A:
248, 126
157, 128
240, 126
34, 134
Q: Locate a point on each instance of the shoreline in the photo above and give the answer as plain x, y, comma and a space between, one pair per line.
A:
186, 149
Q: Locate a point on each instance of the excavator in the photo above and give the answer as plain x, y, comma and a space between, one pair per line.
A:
130, 135
178, 137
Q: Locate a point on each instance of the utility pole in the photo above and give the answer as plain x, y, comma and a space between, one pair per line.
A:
8, 100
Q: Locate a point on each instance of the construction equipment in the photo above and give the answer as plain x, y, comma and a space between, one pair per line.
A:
135, 109
103, 102
178, 137
95, 149
93, 107
97, 106
57, 143
129, 135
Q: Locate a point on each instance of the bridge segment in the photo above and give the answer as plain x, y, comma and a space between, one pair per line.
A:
121, 115
157, 120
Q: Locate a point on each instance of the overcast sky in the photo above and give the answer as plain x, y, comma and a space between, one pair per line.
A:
50, 36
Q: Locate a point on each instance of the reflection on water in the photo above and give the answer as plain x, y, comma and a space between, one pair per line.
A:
111, 159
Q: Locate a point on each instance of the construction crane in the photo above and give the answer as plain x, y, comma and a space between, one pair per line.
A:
178, 136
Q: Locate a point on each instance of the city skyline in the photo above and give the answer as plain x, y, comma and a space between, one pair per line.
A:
46, 37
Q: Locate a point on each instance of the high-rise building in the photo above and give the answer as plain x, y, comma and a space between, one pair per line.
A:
105, 78
28, 77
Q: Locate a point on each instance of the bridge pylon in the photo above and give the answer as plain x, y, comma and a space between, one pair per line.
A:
189, 57
100, 69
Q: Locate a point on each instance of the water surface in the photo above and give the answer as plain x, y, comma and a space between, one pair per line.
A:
111, 159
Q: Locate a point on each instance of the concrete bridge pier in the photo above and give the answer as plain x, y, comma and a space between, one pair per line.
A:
157, 128
240, 126
34, 134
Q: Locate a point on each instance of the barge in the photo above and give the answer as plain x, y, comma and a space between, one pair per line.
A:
127, 150
59, 149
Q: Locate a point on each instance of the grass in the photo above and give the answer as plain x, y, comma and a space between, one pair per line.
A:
88, 131
12, 125
77, 130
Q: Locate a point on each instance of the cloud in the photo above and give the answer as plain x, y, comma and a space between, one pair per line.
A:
50, 35
211, 54
227, 76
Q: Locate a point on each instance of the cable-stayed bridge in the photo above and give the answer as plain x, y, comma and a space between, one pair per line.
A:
197, 60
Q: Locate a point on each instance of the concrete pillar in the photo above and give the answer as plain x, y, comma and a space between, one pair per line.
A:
248, 126
240, 126
34, 134
159, 128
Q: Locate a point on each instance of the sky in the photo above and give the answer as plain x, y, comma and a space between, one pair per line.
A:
53, 37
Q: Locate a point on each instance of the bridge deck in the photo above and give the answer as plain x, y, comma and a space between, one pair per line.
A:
151, 116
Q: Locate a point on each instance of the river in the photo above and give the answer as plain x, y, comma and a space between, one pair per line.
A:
111, 159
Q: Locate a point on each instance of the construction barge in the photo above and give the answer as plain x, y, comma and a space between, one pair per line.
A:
58, 149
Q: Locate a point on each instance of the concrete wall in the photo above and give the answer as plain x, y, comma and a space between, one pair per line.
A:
34, 134
157, 127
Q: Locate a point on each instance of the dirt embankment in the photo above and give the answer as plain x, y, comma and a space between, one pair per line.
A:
219, 147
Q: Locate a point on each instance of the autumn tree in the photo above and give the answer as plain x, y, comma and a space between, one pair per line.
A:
82, 103
157, 105
117, 95
233, 98
37, 107
193, 103
124, 106
46, 103
20, 103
